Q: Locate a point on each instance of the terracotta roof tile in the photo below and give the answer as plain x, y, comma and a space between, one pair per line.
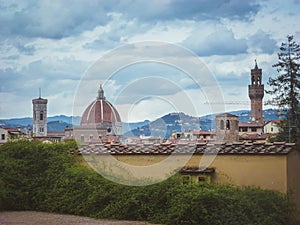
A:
250, 125
100, 111
166, 149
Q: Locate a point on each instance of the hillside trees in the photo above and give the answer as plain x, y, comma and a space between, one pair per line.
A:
286, 89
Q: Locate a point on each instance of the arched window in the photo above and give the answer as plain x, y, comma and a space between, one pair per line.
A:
222, 124
227, 124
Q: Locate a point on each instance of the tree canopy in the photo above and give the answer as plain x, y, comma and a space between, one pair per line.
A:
286, 89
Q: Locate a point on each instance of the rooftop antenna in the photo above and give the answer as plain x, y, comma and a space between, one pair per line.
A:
40, 92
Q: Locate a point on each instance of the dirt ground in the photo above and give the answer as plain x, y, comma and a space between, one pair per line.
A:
42, 218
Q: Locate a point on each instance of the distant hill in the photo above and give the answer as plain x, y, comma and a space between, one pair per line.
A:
21, 122
161, 127
54, 123
57, 125
131, 126
67, 119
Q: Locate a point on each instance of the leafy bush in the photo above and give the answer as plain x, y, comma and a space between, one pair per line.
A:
46, 177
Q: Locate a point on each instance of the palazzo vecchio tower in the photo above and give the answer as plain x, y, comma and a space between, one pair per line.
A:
256, 94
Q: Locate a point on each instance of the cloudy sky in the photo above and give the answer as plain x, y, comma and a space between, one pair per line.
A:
52, 45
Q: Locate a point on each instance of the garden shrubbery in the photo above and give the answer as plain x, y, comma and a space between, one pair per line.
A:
46, 177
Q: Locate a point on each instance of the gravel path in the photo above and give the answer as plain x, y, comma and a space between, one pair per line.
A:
41, 218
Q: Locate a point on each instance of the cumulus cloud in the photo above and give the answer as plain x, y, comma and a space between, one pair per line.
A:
188, 10
22, 105
218, 42
22, 46
49, 44
261, 42
58, 19
115, 33
51, 19
57, 78
21, 95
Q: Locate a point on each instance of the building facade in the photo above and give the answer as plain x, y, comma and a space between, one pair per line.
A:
227, 128
39, 117
272, 127
190, 136
3, 135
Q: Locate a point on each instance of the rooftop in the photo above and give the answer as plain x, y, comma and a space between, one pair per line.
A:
251, 124
273, 121
238, 148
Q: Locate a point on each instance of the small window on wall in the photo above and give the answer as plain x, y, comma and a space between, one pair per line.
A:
186, 179
244, 129
41, 129
2, 136
82, 138
222, 124
227, 124
253, 129
41, 116
91, 137
202, 179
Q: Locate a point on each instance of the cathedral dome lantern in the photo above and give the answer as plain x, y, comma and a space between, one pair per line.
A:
101, 93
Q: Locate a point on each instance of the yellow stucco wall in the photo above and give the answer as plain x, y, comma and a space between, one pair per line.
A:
293, 175
265, 171
274, 172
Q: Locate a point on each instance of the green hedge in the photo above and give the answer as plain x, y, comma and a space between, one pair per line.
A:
46, 177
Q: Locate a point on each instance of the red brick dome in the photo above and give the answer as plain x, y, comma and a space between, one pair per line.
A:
100, 111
